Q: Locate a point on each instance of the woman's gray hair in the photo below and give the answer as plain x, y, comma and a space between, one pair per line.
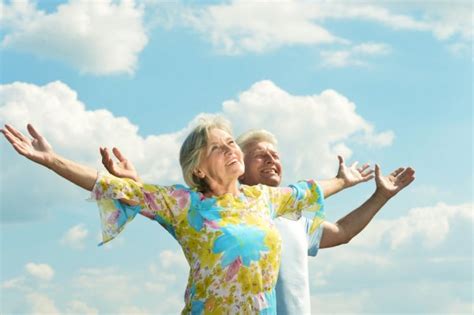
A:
255, 135
190, 153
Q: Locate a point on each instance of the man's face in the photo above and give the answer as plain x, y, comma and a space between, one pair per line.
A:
262, 165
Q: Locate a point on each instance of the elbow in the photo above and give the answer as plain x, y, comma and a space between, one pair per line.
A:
346, 240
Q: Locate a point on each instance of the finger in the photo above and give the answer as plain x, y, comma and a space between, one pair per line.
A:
118, 154
407, 182
354, 165
367, 178
365, 168
17, 144
367, 173
8, 135
33, 132
341, 159
397, 172
17, 134
408, 172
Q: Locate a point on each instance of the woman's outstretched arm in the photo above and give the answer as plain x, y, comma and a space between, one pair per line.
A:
40, 151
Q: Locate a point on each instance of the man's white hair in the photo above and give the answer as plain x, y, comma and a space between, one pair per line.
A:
255, 135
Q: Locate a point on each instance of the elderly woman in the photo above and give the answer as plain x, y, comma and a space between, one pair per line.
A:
225, 229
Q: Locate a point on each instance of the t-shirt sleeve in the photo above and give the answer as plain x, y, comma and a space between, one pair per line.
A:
160, 203
314, 238
292, 200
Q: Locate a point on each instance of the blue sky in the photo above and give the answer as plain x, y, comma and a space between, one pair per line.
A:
385, 82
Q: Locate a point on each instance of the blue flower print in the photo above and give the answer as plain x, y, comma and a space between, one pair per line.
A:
126, 213
240, 241
201, 210
197, 306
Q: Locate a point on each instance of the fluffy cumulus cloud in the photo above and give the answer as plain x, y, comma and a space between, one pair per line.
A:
40, 271
98, 37
319, 125
429, 225
325, 123
423, 258
75, 237
76, 133
41, 304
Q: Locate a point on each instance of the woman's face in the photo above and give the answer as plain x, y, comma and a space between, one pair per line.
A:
221, 159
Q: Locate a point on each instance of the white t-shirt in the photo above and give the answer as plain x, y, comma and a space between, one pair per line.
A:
292, 288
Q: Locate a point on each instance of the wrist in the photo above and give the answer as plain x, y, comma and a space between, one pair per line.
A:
381, 195
50, 160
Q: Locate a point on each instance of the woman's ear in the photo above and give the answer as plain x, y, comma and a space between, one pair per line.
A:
197, 172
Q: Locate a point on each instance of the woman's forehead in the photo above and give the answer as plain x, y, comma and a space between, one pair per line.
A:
217, 134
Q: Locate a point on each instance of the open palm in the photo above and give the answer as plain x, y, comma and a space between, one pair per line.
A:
390, 185
353, 175
36, 149
123, 168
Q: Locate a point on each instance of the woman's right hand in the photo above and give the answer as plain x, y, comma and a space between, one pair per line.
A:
37, 149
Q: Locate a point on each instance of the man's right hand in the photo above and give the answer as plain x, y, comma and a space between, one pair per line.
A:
123, 168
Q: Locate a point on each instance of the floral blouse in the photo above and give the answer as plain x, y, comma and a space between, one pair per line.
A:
230, 242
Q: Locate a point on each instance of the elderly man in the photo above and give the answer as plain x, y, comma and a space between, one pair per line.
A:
263, 166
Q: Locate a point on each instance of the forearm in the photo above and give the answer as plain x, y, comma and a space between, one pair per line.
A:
354, 222
331, 186
76, 173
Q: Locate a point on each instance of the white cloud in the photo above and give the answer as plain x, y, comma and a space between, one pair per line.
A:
339, 303
430, 224
243, 26
97, 282
41, 304
75, 236
354, 56
256, 27
40, 271
408, 259
324, 122
98, 37
15, 283
173, 259
76, 133
79, 307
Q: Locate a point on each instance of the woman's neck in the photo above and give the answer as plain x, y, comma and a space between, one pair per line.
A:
218, 189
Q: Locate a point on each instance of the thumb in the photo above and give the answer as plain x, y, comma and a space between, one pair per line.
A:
341, 159
377, 171
35, 134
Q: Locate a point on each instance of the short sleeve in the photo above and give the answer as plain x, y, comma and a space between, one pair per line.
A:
314, 238
292, 200
159, 203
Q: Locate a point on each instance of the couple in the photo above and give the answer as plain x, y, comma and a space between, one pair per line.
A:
226, 230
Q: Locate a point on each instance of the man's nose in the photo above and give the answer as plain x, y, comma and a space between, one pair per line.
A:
269, 159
